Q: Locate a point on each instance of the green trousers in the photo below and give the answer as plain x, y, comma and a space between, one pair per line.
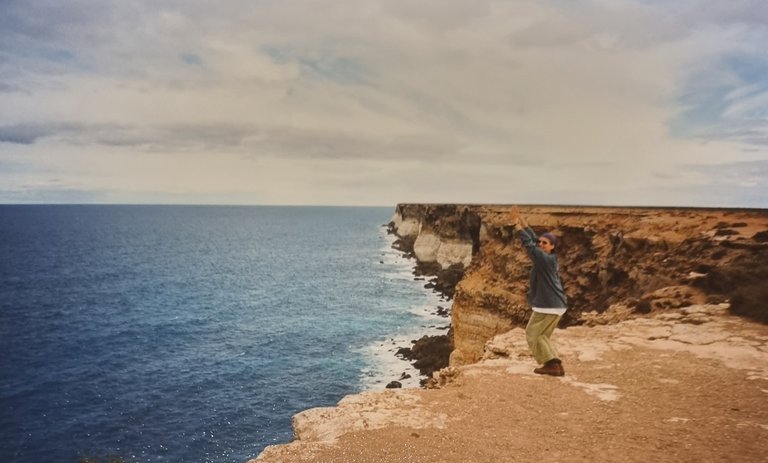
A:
537, 333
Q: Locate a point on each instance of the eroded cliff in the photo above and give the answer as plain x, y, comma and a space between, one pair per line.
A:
687, 384
675, 377
614, 262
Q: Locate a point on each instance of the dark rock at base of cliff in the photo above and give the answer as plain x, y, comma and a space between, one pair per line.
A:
447, 279
405, 245
442, 281
430, 353
426, 269
394, 385
442, 311
391, 228
404, 352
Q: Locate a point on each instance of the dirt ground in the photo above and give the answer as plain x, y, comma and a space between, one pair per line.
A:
690, 385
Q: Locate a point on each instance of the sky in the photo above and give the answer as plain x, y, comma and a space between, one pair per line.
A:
378, 102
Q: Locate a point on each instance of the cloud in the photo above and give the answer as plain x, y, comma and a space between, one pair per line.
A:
192, 59
23, 134
749, 174
488, 99
739, 12
255, 142
35, 194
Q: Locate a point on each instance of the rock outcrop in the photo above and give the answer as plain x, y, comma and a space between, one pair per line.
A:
445, 235
684, 384
676, 375
641, 259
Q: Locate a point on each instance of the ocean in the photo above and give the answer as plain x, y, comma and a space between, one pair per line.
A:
193, 333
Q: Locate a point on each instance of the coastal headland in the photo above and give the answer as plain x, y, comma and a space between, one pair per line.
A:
665, 344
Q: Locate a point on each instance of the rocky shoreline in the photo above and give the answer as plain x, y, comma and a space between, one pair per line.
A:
687, 385
675, 268
429, 353
641, 259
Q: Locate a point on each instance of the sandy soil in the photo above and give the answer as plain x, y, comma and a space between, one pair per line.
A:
690, 385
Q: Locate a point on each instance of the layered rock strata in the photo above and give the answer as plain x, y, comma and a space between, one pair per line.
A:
642, 259
445, 235
675, 376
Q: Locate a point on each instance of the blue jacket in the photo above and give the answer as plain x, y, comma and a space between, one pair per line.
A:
546, 290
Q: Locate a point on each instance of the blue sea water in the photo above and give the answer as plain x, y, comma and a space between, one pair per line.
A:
191, 333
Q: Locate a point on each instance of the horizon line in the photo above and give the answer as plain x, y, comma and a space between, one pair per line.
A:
399, 203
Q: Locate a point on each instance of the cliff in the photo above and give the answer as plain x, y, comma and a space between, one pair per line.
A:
613, 261
665, 344
684, 385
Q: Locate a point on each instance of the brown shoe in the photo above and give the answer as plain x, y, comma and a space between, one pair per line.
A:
551, 368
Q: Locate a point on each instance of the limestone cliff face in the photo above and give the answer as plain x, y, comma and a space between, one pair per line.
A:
442, 234
615, 263
638, 259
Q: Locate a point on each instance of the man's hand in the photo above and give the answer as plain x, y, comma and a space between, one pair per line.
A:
514, 214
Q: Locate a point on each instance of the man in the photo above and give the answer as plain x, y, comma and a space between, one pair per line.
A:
545, 296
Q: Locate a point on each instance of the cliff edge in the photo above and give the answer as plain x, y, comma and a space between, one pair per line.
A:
665, 345
613, 261
690, 385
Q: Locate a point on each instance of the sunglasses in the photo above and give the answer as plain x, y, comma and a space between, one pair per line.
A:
543, 242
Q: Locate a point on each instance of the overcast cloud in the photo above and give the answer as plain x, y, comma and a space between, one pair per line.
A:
636, 102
